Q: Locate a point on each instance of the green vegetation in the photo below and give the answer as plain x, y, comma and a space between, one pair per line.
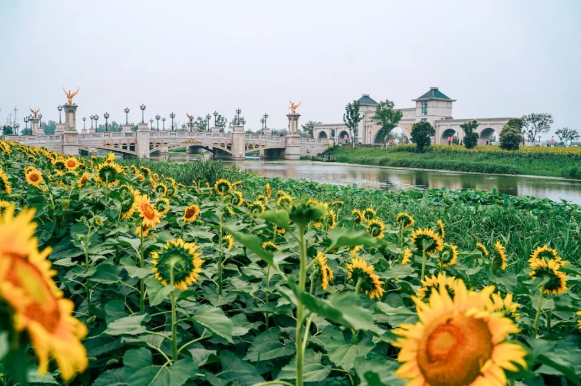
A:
421, 133
482, 159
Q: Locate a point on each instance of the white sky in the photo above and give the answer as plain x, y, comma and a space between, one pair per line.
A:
498, 58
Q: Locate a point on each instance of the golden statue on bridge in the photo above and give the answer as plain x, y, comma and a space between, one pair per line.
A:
294, 106
35, 112
70, 95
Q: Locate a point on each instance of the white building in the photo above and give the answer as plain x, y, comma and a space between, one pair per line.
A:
434, 107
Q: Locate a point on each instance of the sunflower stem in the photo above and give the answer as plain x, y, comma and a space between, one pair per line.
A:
174, 338
538, 315
400, 236
221, 258
549, 317
423, 264
312, 283
358, 285
300, 306
267, 293
141, 265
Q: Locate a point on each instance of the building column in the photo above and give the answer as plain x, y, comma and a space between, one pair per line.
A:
292, 141
70, 135
36, 129
238, 144
142, 140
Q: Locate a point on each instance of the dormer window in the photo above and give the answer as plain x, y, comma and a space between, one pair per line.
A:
424, 107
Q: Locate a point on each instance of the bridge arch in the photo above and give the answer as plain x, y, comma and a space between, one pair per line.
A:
322, 135
485, 136
343, 136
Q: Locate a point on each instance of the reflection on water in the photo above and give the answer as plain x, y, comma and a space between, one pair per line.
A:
387, 178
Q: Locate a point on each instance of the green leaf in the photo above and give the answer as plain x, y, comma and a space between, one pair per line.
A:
237, 371
254, 244
161, 295
561, 365
214, 320
396, 315
342, 353
343, 237
4, 344
132, 269
279, 217
34, 377
106, 274
313, 369
267, 346
115, 377
136, 359
153, 286
181, 371
399, 270
115, 309
150, 376
377, 372
132, 243
66, 262
130, 325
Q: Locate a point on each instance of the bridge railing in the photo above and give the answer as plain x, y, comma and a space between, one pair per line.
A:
106, 135
33, 138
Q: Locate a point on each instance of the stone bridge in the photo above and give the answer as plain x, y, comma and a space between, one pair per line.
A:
145, 142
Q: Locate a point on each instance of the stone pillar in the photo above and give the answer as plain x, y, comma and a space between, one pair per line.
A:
126, 128
70, 135
190, 126
293, 141
60, 129
142, 145
36, 129
238, 143
266, 132
70, 117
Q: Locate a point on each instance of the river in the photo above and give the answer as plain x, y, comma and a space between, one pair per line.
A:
374, 177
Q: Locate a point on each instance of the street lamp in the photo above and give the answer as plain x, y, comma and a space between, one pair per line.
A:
243, 121
142, 107
40, 120
157, 118
60, 108
126, 115
238, 111
96, 125
26, 123
215, 117
84, 120
262, 121
106, 116
172, 116
163, 121
265, 117
151, 121
208, 117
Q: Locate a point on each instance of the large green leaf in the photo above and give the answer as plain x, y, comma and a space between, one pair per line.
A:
561, 364
214, 320
115, 377
377, 372
130, 325
136, 359
35, 378
396, 315
161, 295
344, 237
279, 217
313, 369
181, 371
269, 345
253, 243
343, 353
140, 372
237, 371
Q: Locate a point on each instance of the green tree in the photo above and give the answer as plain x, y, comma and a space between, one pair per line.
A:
566, 133
200, 124
387, 118
511, 136
535, 124
352, 119
308, 129
7, 130
421, 133
49, 127
470, 136
221, 122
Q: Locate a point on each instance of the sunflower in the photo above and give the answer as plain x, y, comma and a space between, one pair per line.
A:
407, 254
360, 273
4, 183
498, 258
144, 170
72, 163
3, 205
185, 260
505, 306
368, 214
357, 216
110, 157
268, 191
281, 193
337, 204
324, 270
171, 190
556, 283
128, 206
375, 228
160, 188
235, 184
256, 207
142, 230
34, 178
482, 248
284, 201
355, 249
228, 242
59, 163
155, 176
421, 235
83, 180
441, 229
108, 174
270, 246
437, 282
262, 197
331, 219
546, 253
404, 220
278, 230
457, 342
237, 198
448, 256
578, 313
191, 213
147, 211
162, 206
26, 285
222, 186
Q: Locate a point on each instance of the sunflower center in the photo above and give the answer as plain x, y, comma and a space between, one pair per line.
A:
34, 177
453, 349
190, 212
148, 211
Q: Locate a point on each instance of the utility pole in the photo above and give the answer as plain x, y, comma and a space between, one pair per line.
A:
15, 118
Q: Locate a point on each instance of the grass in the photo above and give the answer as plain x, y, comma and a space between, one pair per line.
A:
456, 158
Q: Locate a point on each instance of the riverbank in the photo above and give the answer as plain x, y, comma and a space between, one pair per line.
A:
550, 162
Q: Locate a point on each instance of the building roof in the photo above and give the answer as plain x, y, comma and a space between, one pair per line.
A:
366, 100
434, 93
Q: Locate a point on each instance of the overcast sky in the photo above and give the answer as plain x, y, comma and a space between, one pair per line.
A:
498, 58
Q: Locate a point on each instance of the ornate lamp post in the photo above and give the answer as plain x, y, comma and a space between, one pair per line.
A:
40, 120
238, 111
208, 117
142, 107
151, 122
26, 123
262, 121
191, 122
96, 119
84, 120
106, 116
60, 108
265, 118
92, 117
215, 117
157, 117
172, 116
243, 121
126, 115
163, 121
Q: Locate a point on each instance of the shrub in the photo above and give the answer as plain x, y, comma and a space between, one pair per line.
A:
421, 133
510, 137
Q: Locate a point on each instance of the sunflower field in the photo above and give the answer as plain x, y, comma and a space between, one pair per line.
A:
118, 273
